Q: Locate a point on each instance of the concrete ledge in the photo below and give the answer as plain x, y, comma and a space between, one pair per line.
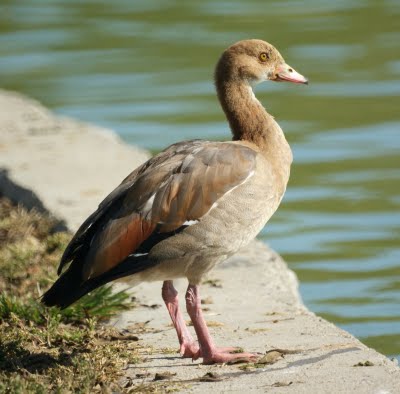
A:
67, 167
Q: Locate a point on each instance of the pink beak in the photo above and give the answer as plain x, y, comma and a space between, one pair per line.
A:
286, 73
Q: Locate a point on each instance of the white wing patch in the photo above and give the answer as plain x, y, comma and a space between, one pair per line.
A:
149, 203
190, 222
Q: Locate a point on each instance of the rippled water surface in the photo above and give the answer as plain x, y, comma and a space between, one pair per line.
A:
144, 68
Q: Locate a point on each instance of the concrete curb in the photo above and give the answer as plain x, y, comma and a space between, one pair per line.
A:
58, 164
66, 167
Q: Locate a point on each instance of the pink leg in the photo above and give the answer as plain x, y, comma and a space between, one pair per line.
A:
188, 347
210, 353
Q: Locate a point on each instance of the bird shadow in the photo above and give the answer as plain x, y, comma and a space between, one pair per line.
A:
299, 363
312, 360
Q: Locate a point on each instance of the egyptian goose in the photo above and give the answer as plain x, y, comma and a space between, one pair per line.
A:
192, 205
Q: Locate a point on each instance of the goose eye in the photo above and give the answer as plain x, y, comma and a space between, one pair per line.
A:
263, 57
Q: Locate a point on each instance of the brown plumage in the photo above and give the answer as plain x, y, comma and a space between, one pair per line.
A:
192, 205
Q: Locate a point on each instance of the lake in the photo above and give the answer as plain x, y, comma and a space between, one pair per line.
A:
145, 69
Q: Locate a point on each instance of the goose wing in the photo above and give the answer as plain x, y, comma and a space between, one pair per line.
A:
166, 194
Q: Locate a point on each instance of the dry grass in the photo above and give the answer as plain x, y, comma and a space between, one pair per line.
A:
45, 350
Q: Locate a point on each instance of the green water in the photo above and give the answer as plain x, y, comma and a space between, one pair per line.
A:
144, 68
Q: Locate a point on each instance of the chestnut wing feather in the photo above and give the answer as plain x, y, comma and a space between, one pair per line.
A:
88, 228
179, 185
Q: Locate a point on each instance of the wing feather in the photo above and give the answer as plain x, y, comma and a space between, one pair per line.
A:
180, 185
